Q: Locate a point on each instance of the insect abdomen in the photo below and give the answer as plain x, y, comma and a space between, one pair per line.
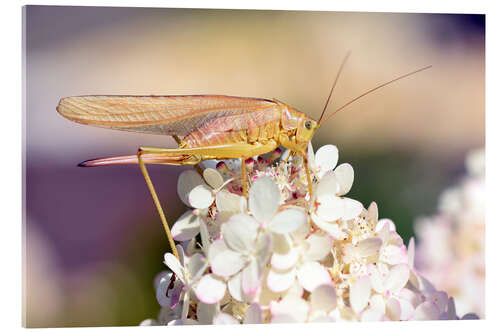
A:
243, 128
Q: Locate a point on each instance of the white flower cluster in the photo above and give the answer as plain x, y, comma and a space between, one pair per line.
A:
287, 256
450, 250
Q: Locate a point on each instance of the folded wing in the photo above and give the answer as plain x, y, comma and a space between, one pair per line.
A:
170, 115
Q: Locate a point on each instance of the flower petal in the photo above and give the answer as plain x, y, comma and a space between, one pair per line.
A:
312, 274
331, 208
407, 309
411, 296
225, 319
175, 266
240, 232
393, 309
411, 253
372, 212
265, 296
326, 159
201, 197
470, 316
185, 304
228, 204
372, 314
213, 178
377, 303
319, 246
397, 278
345, 177
394, 255
210, 289
425, 285
264, 198
287, 221
320, 317
290, 309
332, 228
360, 293
324, 298
451, 312
216, 248
295, 290
186, 227
196, 264
263, 248
328, 185
180, 253
426, 311
376, 278
282, 243
369, 247
148, 322
283, 318
253, 314
440, 298
175, 295
383, 223
352, 209
163, 274
161, 291
350, 253
223, 261
234, 287
286, 260
187, 181
251, 277
278, 281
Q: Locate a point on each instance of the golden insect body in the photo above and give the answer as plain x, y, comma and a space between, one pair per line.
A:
211, 127
217, 127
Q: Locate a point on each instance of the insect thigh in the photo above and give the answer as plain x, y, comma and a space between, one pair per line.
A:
235, 150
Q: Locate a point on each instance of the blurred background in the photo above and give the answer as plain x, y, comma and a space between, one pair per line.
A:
94, 242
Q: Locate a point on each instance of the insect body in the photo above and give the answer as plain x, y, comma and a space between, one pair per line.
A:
211, 127
206, 122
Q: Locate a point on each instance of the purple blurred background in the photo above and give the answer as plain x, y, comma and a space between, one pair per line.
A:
94, 240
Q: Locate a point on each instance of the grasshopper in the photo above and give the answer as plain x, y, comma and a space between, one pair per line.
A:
211, 126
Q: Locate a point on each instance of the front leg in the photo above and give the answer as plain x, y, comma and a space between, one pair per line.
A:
308, 174
300, 149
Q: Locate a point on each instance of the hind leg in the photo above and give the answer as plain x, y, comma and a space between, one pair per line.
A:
156, 201
220, 152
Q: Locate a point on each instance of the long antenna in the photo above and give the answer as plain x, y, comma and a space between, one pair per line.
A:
334, 84
373, 89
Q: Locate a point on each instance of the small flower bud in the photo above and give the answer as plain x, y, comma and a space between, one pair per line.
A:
222, 167
275, 154
249, 163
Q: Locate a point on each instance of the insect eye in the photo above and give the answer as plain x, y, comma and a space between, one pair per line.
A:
307, 124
